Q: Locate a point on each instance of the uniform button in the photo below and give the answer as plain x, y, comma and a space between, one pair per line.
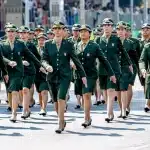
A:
82, 63
82, 58
57, 54
12, 53
57, 59
105, 51
57, 64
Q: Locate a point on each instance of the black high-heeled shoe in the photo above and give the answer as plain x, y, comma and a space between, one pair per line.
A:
9, 109
87, 123
32, 105
107, 120
103, 101
13, 118
146, 109
124, 117
20, 107
59, 130
127, 112
25, 116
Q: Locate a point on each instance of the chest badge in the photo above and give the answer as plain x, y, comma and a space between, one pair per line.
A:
88, 54
113, 44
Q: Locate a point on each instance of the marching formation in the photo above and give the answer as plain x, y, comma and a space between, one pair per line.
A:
106, 66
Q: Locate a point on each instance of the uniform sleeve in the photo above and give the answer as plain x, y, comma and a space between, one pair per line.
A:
143, 59
76, 61
124, 55
102, 59
30, 55
45, 58
2, 64
35, 52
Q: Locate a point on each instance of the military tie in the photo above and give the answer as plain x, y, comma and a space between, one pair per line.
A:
83, 46
11, 45
58, 44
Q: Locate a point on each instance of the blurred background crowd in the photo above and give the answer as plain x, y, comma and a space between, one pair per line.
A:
95, 11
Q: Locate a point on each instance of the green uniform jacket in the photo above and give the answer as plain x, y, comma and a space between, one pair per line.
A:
114, 52
136, 46
88, 59
144, 62
19, 52
129, 47
30, 70
60, 59
2, 64
40, 76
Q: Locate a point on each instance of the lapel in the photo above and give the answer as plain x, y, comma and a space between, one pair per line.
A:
61, 46
8, 44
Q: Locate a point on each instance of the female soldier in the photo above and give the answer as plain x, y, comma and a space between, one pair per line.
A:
56, 59
88, 51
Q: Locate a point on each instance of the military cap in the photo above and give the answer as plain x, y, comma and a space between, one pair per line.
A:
108, 21
31, 31
7, 24
11, 27
145, 25
50, 32
39, 27
23, 29
128, 26
86, 27
121, 24
42, 35
58, 24
76, 27
96, 31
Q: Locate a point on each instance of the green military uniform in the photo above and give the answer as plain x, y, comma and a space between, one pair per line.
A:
16, 53
40, 78
88, 57
29, 71
115, 53
59, 59
2, 63
142, 43
144, 63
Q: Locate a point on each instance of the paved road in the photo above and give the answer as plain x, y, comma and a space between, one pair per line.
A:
38, 133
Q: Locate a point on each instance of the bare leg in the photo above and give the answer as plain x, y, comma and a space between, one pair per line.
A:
124, 98
87, 106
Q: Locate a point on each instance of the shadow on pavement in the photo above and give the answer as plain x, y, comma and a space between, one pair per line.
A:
123, 129
13, 134
94, 134
19, 128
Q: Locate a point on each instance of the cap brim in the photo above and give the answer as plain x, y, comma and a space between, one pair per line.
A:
39, 29
110, 23
75, 29
145, 27
41, 37
58, 26
11, 29
121, 26
85, 29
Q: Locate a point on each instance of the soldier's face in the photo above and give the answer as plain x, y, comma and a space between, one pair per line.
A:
31, 35
107, 28
50, 36
75, 33
24, 35
59, 32
84, 34
66, 35
11, 34
41, 42
145, 32
121, 32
